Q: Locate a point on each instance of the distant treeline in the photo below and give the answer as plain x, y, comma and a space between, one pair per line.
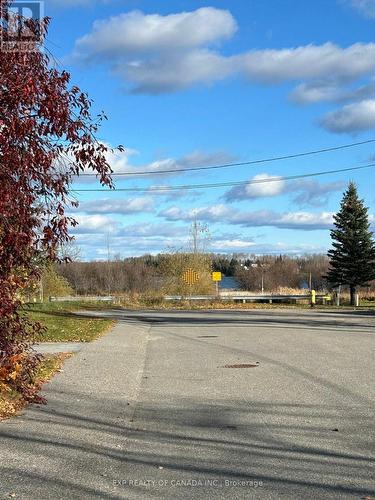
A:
155, 272
283, 272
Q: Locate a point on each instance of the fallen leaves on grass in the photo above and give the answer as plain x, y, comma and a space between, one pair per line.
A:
12, 402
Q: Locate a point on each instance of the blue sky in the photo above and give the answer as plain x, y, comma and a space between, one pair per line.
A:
193, 83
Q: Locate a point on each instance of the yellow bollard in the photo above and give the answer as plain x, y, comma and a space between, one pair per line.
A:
313, 298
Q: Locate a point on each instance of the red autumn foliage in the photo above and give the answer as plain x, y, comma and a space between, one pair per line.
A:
47, 135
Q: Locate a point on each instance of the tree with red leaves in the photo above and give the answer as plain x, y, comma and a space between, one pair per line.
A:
47, 136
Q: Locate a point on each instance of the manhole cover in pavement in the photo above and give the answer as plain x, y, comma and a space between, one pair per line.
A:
242, 365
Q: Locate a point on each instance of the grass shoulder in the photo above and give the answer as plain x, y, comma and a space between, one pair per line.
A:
62, 323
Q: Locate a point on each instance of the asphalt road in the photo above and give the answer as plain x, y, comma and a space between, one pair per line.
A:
152, 411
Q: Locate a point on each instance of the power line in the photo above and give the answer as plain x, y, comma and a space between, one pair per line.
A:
240, 164
227, 165
150, 190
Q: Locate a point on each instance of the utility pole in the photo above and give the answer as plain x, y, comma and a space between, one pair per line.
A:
108, 267
261, 265
194, 231
195, 237
200, 235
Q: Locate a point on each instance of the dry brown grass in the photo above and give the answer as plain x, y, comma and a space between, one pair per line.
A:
11, 402
289, 291
367, 295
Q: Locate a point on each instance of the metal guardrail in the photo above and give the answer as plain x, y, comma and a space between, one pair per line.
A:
239, 297
247, 298
81, 299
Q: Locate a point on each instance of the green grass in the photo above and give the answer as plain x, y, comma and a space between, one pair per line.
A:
367, 303
62, 325
50, 364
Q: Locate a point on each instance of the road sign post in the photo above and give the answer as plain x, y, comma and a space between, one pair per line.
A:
313, 298
216, 277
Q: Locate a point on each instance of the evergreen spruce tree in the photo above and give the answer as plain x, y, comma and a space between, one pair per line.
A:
352, 258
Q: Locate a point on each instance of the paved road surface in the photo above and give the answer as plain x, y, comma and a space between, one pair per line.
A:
152, 404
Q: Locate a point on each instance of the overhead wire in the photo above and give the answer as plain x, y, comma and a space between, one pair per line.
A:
229, 165
237, 164
267, 180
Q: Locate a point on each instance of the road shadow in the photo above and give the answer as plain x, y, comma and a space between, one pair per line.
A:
211, 317
293, 449
292, 318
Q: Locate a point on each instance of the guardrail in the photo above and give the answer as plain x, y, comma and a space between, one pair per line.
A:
81, 299
233, 297
250, 298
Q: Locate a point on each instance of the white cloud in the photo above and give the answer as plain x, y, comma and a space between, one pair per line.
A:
248, 247
123, 206
164, 191
259, 218
154, 230
133, 245
155, 53
265, 189
92, 224
288, 220
191, 160
213, 213
120, 162
310, 62
117, 160
231, 245
305, 191
136, 33
311, 192
321, 91
365, 7
351, 118
127, 245
155, 238
174, 71
328, 91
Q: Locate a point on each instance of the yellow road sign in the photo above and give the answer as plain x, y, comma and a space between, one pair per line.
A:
216, 276
190, 276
